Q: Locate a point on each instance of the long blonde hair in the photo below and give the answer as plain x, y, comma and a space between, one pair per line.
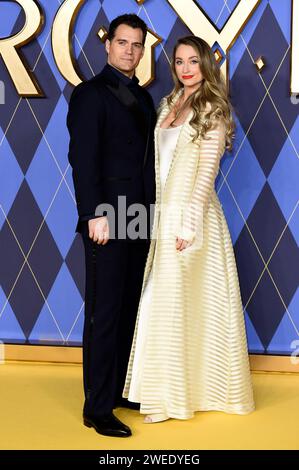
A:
212, 90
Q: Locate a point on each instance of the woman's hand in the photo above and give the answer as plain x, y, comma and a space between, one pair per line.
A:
99, 230
181, 244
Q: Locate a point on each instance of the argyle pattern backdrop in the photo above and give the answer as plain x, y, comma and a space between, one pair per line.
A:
41, 260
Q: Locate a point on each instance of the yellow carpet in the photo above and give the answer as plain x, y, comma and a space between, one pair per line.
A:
40, 408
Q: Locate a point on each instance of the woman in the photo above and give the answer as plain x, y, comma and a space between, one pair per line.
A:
189, 351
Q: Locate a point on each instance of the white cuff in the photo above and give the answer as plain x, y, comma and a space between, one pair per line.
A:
187, 234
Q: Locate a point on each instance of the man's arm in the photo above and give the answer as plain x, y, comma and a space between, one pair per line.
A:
84, 121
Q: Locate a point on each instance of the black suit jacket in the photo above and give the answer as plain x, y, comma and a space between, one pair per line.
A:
111, 148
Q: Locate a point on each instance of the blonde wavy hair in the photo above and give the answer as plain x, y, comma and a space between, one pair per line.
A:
212, 90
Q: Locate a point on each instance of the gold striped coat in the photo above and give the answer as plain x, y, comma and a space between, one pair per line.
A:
196, 354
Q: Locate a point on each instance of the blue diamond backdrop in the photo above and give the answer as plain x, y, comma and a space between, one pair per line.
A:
42, 270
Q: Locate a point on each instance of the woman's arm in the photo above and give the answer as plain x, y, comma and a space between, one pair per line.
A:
212, 147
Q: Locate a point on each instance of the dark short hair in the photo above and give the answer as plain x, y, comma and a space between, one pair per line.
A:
130, 19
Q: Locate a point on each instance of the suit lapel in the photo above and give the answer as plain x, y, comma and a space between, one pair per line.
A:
123, 94
126, 98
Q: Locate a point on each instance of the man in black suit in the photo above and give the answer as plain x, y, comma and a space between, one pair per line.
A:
111, 121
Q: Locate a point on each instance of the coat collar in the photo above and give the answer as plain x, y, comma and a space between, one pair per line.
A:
123, 78
112, 76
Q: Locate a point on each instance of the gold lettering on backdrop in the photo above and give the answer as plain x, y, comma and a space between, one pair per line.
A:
23, 79
295, 49
62, 31
196, 20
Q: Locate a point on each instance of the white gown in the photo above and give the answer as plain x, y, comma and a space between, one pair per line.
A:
167, 143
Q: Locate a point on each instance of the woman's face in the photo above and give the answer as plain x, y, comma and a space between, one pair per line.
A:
187, 66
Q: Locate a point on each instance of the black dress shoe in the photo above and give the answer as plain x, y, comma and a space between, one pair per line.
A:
108, 425
124, 403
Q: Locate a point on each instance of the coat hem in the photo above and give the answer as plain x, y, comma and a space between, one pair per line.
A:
176, 414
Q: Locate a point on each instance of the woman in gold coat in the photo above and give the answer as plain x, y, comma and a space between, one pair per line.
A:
189, 351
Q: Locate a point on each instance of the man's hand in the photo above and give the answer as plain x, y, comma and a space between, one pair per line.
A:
99, 230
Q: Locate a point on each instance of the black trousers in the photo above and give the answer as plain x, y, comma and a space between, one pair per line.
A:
114, 274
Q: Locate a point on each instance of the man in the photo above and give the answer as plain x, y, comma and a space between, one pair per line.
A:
111, 121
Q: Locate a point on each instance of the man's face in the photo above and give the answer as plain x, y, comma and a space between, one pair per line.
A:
125, 50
